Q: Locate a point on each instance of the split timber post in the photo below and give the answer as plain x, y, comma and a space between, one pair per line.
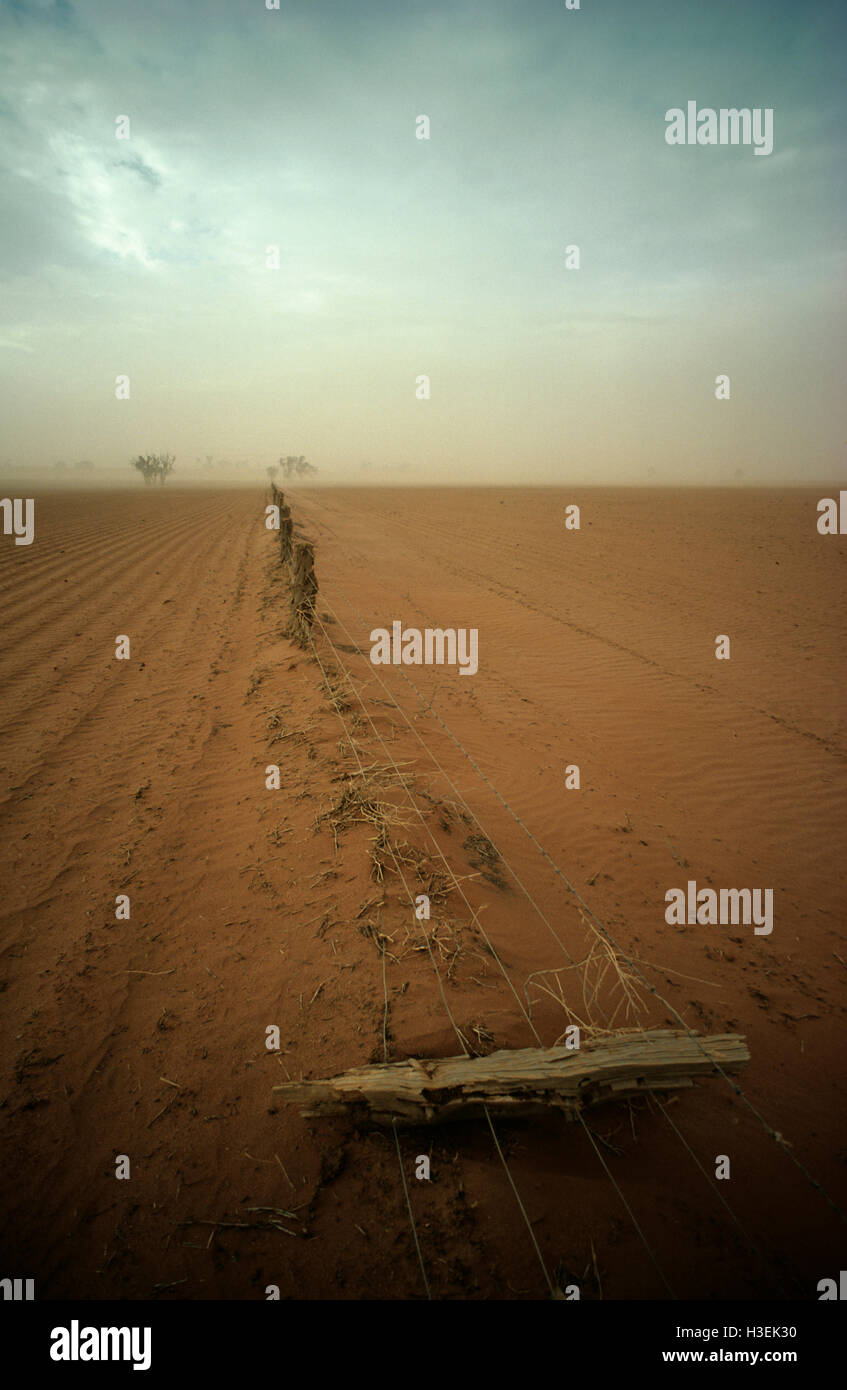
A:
304, 587
286, 534
529, 1081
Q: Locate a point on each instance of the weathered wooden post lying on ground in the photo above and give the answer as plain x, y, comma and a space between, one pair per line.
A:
304, 586
529, 1081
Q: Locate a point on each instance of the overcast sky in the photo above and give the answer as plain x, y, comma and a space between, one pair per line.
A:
400, 257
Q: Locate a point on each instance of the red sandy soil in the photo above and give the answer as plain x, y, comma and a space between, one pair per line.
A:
147, 1037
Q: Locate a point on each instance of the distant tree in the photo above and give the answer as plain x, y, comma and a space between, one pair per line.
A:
165, 464
272, 470
152, 466
293, 465
145, 465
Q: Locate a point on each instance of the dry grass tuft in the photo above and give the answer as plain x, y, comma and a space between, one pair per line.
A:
600, 971
338, 690
360, 803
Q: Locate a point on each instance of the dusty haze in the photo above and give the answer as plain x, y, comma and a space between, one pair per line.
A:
398, 257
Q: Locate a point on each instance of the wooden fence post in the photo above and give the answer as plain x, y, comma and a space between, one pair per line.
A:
304, 587
286, 534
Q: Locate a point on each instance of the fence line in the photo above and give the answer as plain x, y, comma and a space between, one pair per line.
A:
455, 1026
531, 1025
304, 590
306, 639
748, 1239
299, 558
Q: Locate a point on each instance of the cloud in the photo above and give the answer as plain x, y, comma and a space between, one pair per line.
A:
59, 13
295, 129
137, 165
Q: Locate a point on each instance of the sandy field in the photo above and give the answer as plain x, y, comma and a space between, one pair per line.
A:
253, 908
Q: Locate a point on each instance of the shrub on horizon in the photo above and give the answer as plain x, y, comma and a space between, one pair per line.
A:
152, 466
